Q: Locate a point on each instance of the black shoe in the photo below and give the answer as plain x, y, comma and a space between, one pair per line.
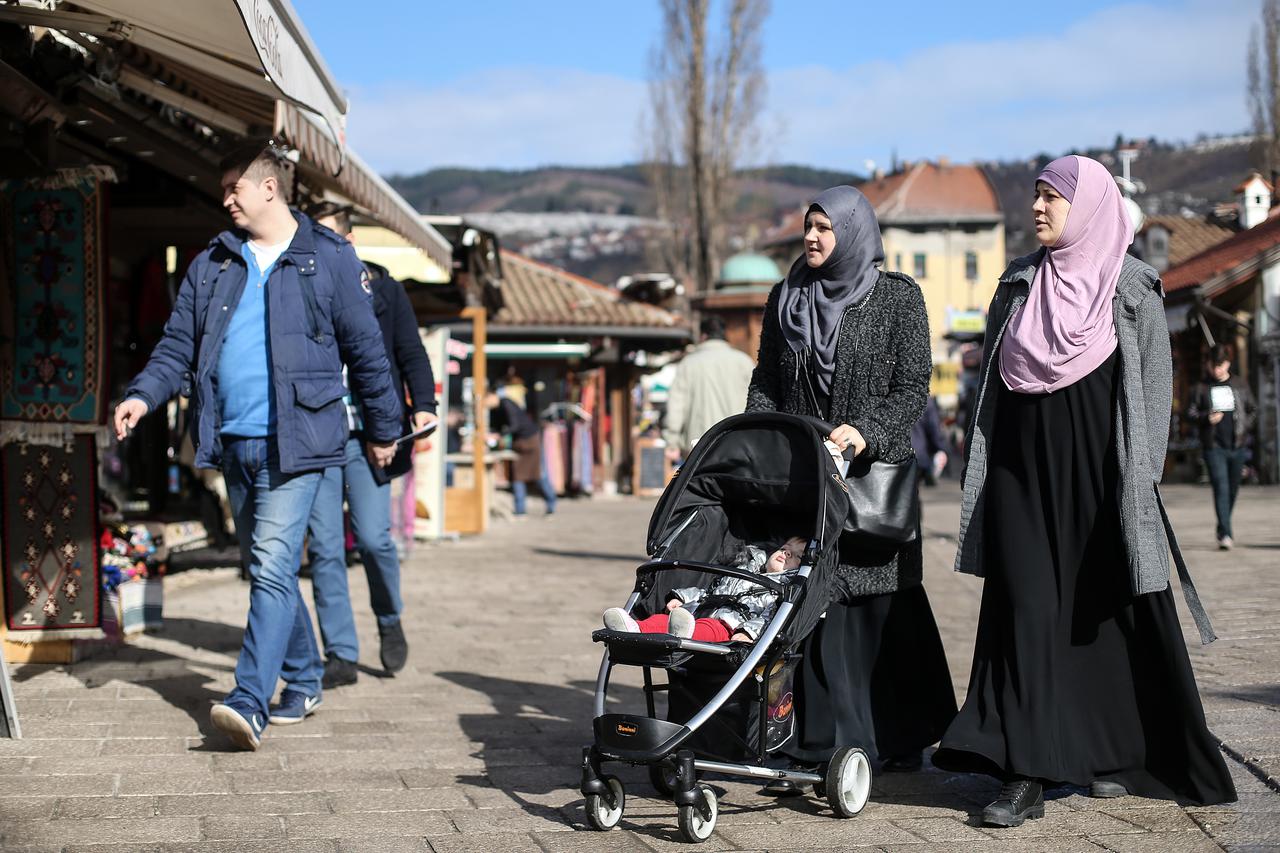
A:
394, 651
1018, 800
1103, 790
909, 763
339, 672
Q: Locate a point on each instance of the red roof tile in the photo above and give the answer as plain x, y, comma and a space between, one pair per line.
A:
1230, 253
1188, 236
538, 294
920, 193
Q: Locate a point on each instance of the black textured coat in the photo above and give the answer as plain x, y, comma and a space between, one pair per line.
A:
880, 387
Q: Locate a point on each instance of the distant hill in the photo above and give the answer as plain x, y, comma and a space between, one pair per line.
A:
615, 189
1178, 178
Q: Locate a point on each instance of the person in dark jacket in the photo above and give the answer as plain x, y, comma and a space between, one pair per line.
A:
368, 496
264, 320
1080, 672
1222, 407
929, 443
844, 341
509, 418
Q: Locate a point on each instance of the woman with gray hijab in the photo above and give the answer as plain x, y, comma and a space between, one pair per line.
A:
847, 342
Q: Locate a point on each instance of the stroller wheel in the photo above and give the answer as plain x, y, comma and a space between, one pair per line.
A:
848, 781
698, 821
602, 814
663, 779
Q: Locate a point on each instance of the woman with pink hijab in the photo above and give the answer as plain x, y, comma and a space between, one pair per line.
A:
1080, 672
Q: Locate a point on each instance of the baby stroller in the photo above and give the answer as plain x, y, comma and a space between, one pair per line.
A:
729, 705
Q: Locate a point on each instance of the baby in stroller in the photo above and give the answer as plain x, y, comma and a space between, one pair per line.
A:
734, 609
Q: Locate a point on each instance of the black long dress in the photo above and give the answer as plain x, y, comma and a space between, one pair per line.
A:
1074, 678
873, 675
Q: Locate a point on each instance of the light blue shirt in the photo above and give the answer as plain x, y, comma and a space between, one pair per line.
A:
244, 364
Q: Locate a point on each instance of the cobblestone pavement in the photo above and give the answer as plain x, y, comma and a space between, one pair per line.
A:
475, 746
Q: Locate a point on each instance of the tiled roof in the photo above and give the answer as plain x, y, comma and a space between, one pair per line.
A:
933, 191
1188, 236
538, 294
1230, 253
920, 193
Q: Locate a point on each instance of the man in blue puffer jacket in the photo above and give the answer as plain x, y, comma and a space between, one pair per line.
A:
264, 321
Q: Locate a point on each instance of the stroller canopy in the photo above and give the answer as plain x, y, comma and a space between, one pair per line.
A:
753, 479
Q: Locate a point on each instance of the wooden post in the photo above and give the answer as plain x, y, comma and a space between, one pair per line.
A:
467, 510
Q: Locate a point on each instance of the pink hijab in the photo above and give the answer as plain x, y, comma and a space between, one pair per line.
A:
1066, 329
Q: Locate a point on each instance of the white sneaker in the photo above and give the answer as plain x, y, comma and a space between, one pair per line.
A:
1225, 543
617, 619
680, 623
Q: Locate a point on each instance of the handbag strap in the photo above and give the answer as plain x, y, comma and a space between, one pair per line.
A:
1192, 597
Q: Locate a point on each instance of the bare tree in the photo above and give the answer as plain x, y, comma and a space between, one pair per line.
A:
704, 105
1264, 86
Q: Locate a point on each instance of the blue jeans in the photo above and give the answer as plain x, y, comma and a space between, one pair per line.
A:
271, 510
370, 506
1225, 466
520, 493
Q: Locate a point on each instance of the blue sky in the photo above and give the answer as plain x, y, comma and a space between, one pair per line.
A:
521, 84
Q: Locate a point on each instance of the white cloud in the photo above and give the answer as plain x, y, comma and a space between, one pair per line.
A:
1171, 71
1136, 69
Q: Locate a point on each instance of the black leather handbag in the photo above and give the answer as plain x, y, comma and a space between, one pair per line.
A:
884, 502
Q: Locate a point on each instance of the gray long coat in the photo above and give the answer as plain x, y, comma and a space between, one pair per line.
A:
1143, 406
880, 386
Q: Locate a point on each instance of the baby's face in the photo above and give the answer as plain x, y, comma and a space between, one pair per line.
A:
787, 557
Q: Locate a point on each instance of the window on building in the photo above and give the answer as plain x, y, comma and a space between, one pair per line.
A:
971, 266
919, 266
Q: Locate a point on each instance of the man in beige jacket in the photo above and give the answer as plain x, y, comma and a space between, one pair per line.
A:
710, 385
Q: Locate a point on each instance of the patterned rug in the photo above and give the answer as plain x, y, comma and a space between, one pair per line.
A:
49, 513
52, 290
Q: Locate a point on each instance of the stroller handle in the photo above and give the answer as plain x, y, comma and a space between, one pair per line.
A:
824, 430
654, 566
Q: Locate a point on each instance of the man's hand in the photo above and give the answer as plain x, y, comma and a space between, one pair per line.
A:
1215, 418
845, 436
381, 454
674, 603
128, 413
740, 637
420, 422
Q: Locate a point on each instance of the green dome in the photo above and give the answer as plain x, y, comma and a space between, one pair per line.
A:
749, 268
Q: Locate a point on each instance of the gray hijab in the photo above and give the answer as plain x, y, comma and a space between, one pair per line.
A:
812, 302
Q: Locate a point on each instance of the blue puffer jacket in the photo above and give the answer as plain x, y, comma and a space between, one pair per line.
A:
321, 315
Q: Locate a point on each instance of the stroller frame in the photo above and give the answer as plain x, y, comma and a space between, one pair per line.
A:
751, 460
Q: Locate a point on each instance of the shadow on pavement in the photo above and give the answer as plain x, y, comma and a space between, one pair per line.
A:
552, 720
172, 677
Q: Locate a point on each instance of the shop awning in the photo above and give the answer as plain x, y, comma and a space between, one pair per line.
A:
241, 47
533, 350
257, 44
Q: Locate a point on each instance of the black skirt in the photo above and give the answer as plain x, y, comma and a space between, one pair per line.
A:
874, 675
1074, 678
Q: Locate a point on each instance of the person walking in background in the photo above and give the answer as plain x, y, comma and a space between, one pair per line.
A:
264, 320
847, 342
367, 490
710, 385
508, 418
1080, 673
929, 443
1223, 409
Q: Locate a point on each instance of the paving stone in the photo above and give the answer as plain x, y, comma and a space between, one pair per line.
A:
416, 799
242, 826
362, 825
828, 834
137, 784
26, 808
268, 781
81, 807
505, 843
1159, 842
33, 785
247, 804
1165, 818
507, 820
940, 829
93, 831
411, 844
